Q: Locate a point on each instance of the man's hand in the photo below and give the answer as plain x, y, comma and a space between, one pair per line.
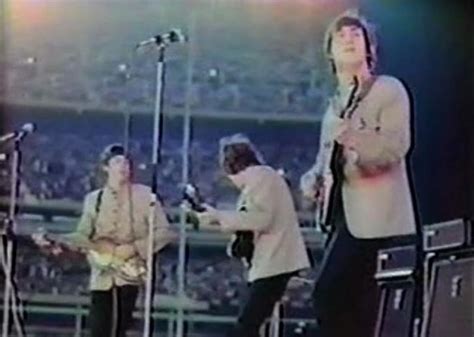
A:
336, 126
208, 217
125, 251
348, 138
104, 246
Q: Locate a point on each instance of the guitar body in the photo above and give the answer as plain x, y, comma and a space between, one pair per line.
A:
241, 246
132, 270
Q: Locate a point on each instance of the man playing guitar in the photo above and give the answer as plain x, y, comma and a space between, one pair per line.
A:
364, 142
267, 234
113, 232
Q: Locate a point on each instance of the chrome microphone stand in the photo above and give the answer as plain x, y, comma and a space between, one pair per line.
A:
160, 42
11, 302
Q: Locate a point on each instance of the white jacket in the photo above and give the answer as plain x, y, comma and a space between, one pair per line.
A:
270, 214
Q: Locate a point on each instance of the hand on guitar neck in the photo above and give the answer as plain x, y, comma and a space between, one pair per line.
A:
241, 245
201, 214
57, 245
49, 245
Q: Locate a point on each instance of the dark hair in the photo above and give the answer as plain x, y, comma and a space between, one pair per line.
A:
345, 20
236, 157
106, 155
111, 151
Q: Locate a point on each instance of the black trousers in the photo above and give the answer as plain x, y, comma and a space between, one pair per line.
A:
263, 294
111, 311
346, 295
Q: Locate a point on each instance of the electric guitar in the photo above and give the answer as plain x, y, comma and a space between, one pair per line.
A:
330, 181
132, 270
241, 245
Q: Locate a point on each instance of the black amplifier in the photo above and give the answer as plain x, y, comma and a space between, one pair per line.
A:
397, 262
447, 235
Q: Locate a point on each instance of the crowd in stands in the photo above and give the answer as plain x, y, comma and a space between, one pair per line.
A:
68, 61
60, 161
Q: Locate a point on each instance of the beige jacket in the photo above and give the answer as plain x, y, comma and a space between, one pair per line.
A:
123, 219
270, 214
376, 193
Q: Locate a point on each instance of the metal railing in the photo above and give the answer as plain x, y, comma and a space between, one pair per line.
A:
76, 306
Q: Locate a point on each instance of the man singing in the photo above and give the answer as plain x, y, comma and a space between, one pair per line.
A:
114, 225
372, 204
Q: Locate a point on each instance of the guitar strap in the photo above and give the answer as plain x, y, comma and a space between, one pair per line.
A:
98, 203
366, 87
337, 163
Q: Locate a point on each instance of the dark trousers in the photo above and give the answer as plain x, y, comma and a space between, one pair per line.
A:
111, 311
346, 295
263, 294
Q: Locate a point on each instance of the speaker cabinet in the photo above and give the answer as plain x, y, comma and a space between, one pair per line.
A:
450, 300
396, 314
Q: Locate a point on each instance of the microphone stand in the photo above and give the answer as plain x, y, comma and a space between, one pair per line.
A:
161, 43
156, 158
7, 251
125, 75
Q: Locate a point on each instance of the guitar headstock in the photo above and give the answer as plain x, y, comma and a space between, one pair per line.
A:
41, 239
46, 244
194, 199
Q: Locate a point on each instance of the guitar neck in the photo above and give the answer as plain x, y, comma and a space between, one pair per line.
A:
70, 242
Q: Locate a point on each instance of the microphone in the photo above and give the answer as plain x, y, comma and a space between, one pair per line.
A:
26, 129
175, 35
